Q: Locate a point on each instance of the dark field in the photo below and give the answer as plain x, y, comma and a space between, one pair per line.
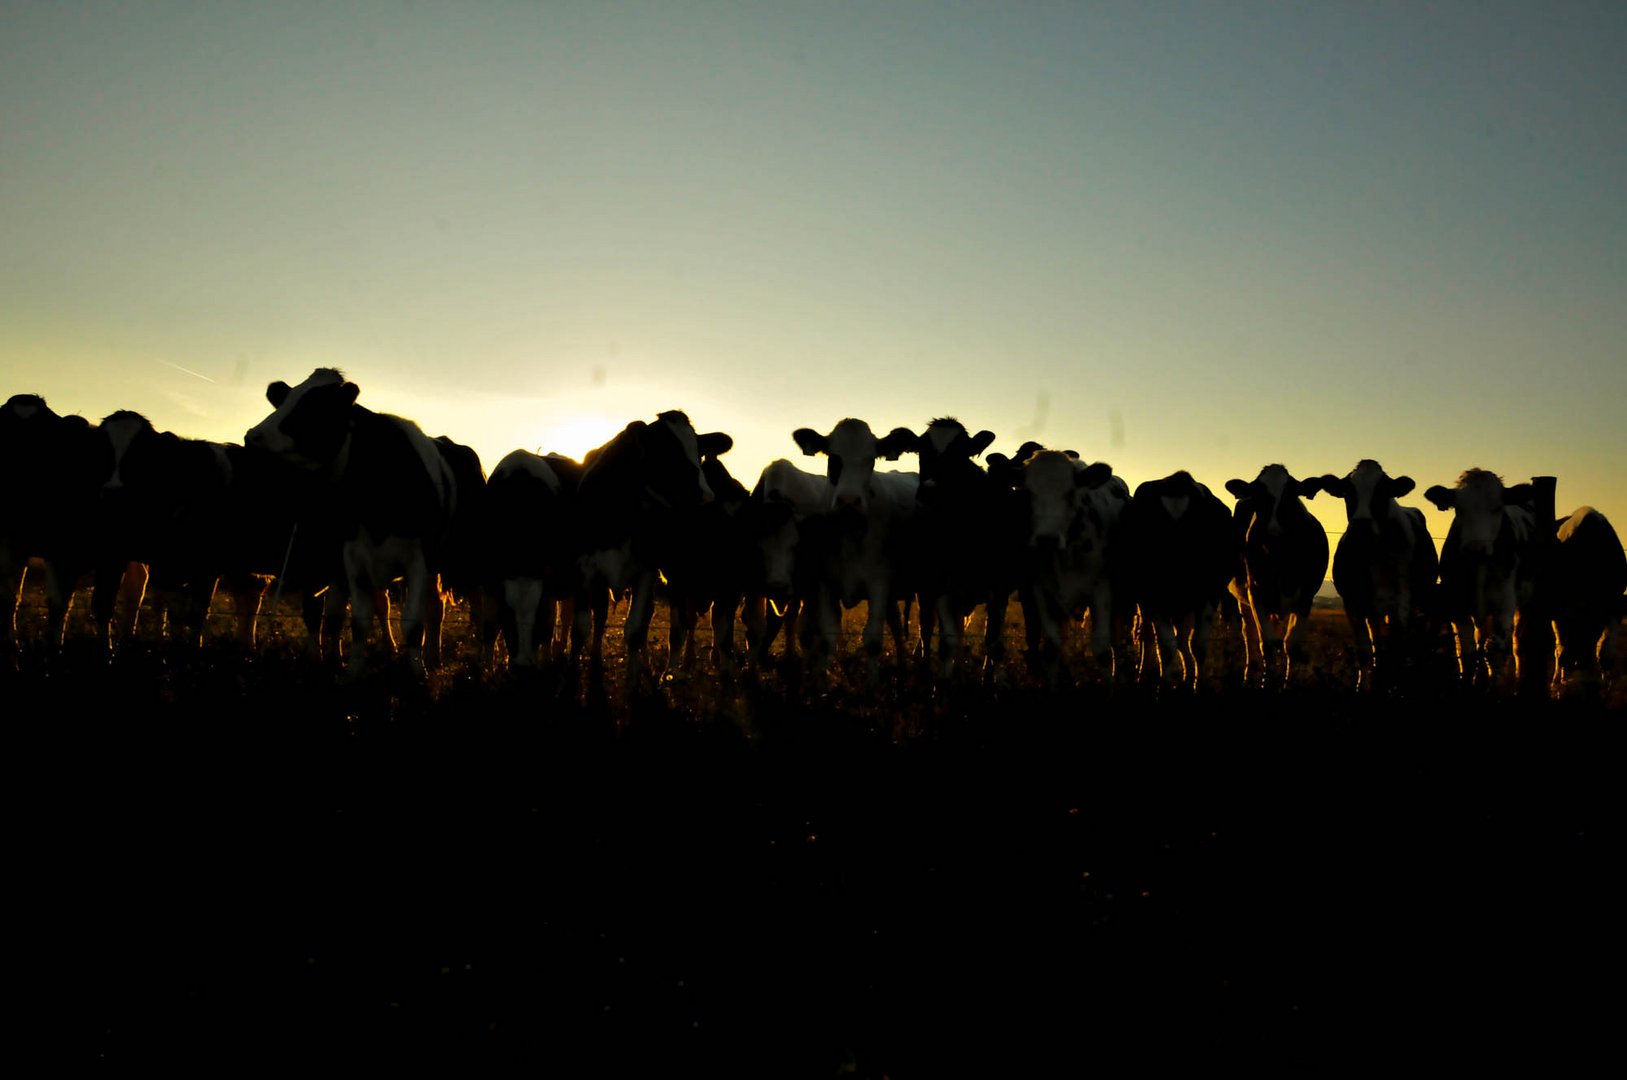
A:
222, 862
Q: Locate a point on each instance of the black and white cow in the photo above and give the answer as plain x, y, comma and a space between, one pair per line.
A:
1384, 568
50, 469
1582, 593
1073, 561
1285, 558
864, 554
392, 492
1488, 567
530, 557
1182, 553
635, 491
964, 549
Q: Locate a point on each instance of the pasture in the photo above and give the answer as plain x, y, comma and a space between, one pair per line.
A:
229, 860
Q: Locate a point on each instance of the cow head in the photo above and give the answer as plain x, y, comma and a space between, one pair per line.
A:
947, 449
1369, 494
128, 435
852, 449
1264, 503
1479, 502
309, 423
662, 459
1057, 488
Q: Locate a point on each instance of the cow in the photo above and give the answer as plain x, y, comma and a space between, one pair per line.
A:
711, 568
787, 525
862, 555
187, 510
390, 488
1582, 593
1284, 560
462, 563
529, 557
1488, 568
1384, 568
635, 490
963, 548
1181, 554
1068, 517
50, 468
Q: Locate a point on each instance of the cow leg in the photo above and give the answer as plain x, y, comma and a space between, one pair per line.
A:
1101, 635
361, 629
723, 618
12, 575
247, 592
950, 630
522, 604
681, 621
826, 630
875, 621
994, 637
897, 615
1361, 634
636, 629
434, 602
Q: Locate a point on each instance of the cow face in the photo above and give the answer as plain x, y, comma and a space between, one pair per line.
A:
309, 422
852, 449
1478, 504
1057, 488
1265, 502
944, 446
673, 453
1369, 494
126, 434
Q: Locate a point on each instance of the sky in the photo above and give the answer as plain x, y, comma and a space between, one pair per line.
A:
1202, 236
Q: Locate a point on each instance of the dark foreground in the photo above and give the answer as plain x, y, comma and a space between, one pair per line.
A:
220, 863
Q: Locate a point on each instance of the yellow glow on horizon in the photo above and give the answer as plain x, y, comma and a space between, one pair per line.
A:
574, 436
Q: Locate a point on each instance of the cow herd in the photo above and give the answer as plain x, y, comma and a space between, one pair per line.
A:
335, 502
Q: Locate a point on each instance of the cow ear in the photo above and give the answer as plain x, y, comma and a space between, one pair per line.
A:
1334, 485
810, 440
350, 391
714, 443
1027, 450
1238, 488
1442, 497
900, 440
981, 442
1308, 487
1519, 495
1074, 454
277, 393
1093, 476
1401, 485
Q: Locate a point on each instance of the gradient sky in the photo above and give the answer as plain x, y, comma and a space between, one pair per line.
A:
1167, 235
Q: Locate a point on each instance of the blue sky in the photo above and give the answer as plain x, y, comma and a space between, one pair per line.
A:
1166, 235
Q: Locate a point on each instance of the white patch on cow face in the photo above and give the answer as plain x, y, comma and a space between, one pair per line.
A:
1274, 479
121, 433
1053, 497
1175, 505
1364, 481
940, 436
854, 447
685, 434
24, 410
268, 434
